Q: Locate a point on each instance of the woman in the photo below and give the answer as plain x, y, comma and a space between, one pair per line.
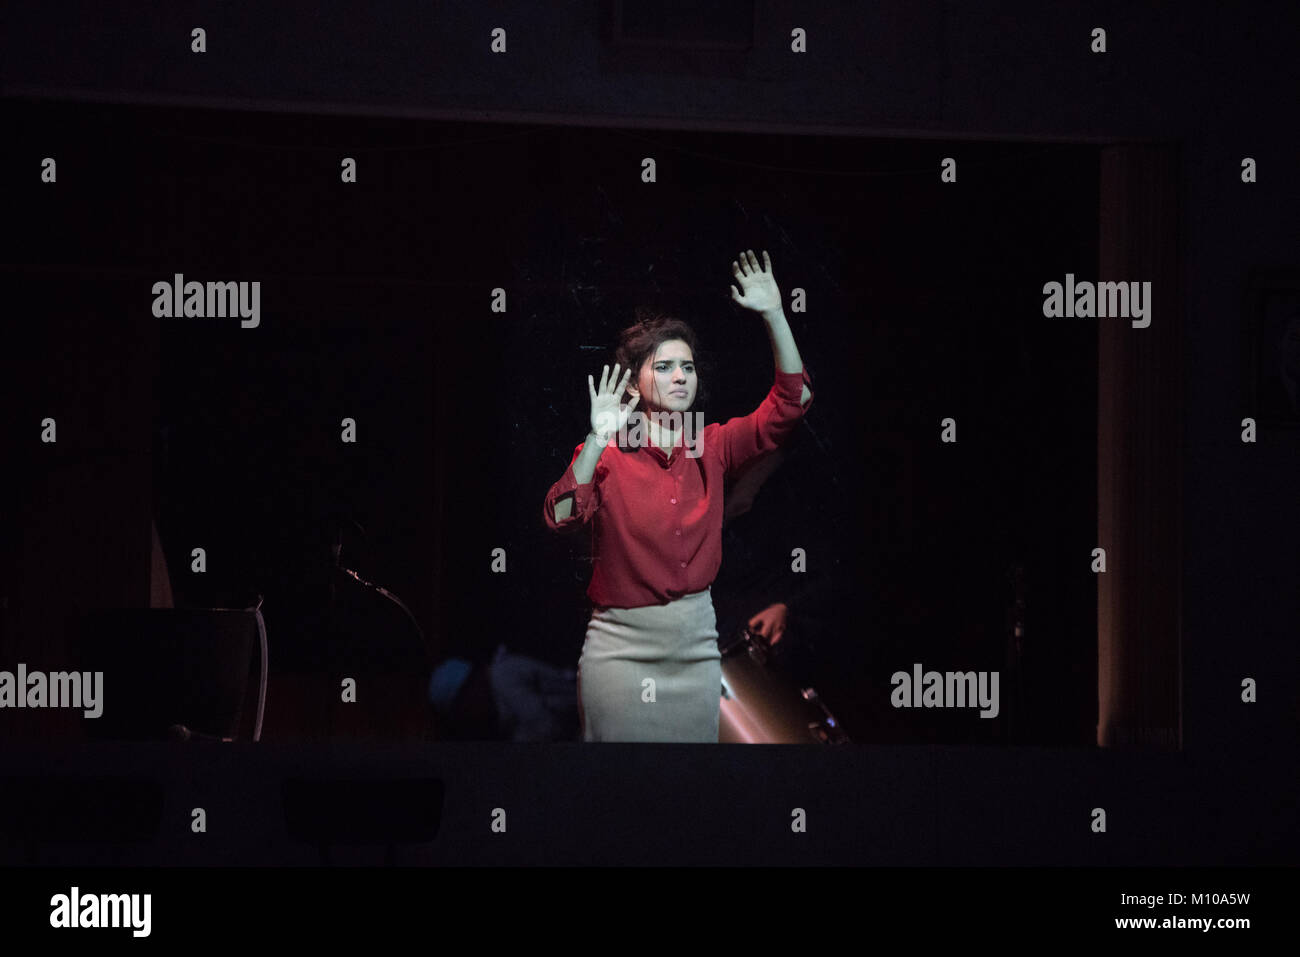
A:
650, 669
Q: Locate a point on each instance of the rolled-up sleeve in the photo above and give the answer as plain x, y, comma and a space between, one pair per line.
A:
586, 498
743, 439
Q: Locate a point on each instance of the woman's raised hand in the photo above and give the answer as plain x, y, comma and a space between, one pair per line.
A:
607, 416
757, 283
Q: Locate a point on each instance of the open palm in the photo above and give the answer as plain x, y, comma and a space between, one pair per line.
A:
757, 283
607, 416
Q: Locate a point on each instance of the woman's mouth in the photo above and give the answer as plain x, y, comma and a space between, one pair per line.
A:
680, 393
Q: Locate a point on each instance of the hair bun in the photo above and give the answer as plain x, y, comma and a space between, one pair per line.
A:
648, 315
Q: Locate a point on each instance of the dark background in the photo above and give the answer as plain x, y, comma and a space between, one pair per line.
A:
1215, 83
374, 305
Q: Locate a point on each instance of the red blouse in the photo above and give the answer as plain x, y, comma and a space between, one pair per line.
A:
656, 519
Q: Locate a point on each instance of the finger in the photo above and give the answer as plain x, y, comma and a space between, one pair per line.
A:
613, 379
603, 376
591, 388
632, 405
735, 295
743, 264
753, 260
767, 261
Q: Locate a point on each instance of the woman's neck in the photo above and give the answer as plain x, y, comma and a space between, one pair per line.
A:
662, 436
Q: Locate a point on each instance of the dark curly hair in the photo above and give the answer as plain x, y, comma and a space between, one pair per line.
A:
638, 342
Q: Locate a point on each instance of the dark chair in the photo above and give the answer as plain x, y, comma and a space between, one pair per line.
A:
172, 672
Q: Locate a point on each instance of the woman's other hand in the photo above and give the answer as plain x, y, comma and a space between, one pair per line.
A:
607, 415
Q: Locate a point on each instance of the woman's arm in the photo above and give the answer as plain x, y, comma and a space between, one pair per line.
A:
784, 349
759, 293
608, 416
584, 469
743, 439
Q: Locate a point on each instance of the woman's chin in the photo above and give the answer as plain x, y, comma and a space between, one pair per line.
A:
678, 408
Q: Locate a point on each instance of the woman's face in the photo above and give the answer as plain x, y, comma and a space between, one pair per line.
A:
667, 381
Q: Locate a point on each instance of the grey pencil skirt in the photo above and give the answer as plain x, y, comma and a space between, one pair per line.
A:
675, 646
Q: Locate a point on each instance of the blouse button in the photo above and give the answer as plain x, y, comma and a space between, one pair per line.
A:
679, 531
673, 500
683, 564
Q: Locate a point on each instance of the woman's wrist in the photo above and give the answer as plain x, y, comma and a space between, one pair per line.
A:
599, 438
